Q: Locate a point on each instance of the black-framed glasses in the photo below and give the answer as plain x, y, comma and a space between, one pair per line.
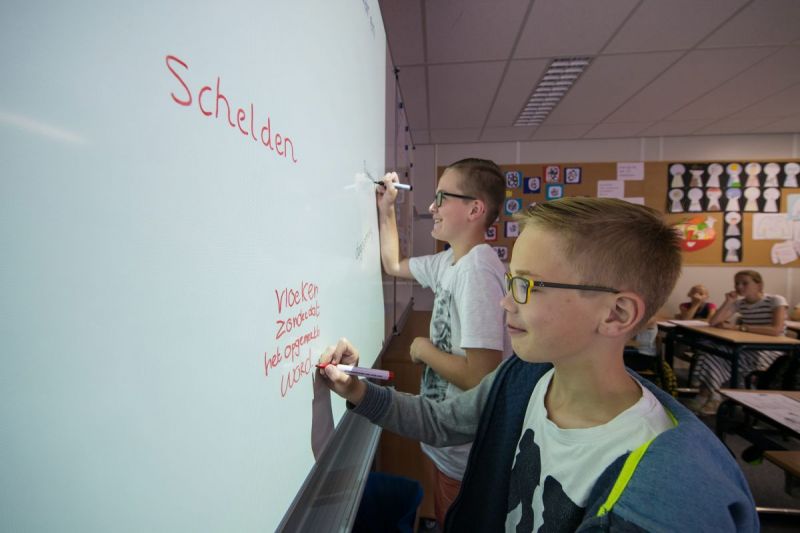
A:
520, 288
439, 198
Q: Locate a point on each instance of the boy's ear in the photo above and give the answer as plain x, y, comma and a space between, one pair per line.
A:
477, 210
626, 312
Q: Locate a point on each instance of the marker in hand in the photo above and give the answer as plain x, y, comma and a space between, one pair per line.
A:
403, 186
362, 372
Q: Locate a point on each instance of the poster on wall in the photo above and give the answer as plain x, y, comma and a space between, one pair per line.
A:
753, 187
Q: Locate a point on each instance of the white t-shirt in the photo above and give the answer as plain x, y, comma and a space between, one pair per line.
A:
466, 314
555, 469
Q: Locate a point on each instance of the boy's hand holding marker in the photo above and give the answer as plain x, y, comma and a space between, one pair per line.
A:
348, 387
387, 188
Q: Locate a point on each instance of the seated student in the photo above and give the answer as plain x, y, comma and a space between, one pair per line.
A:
564, 437
641, 353
760, 313
698, 306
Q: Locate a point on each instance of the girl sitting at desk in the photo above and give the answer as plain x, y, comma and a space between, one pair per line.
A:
760, 313
698, 306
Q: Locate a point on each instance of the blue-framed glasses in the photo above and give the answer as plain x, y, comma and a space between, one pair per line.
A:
439, 198
520, 288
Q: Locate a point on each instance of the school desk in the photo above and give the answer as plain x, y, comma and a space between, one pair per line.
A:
793, 325
778, 412
729, 344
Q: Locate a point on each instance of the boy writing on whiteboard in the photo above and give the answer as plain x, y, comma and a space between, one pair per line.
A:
468, 338
565, 437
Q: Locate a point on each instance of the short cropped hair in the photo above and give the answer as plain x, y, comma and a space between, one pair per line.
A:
614, 243
482, 179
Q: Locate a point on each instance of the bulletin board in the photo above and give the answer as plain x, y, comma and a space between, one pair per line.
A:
765, 224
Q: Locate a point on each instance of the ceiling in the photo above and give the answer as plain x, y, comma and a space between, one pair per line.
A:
659, 68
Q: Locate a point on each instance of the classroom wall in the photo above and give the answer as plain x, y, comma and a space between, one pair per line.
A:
785, 281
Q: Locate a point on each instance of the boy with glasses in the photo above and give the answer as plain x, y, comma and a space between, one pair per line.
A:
467, 338
565, 437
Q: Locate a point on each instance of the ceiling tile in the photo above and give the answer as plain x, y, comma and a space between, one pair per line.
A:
572, 131
517, 86
786, 102
607, 84
764, 22
415, 99
403, 23
472, 31
784, 125
767, 77
420, 136
464, 135
694, 75
511, 133
734, 125
558, 28
659, 25
672, 128
460, 95
616, 129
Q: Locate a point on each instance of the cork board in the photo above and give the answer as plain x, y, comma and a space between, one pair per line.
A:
583, 179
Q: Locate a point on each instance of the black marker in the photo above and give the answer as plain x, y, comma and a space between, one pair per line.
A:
403, 186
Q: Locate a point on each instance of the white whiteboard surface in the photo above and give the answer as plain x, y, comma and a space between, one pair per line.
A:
145, 246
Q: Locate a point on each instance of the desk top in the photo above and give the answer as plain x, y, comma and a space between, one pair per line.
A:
740, 337
782, 407
793, 325
794, 394
788, 460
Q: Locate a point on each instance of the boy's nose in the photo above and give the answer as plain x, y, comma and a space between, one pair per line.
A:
432, 207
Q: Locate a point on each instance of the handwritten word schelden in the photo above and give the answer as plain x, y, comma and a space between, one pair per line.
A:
298, 308
282, 145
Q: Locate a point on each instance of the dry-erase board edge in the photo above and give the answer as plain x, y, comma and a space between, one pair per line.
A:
330, 495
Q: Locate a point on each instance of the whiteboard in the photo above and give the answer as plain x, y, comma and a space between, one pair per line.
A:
153, 245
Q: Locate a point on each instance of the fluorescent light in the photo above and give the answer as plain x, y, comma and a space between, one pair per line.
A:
561, 74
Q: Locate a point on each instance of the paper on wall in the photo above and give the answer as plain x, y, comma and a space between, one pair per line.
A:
771, 227
635, 200
630, 171
783, 253
610, 189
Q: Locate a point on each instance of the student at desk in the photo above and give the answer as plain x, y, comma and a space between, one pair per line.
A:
759, 313
698, 306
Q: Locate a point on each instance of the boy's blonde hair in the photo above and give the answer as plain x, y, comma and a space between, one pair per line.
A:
482, 179
614, 243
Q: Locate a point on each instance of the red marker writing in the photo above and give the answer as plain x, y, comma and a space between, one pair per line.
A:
373, 373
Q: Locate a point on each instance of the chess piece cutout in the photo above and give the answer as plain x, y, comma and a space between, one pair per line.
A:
734, 169
697, 178
771, 196
771, 170
733, 196
677, 171
733, 246
752, 194
695, 195
676, 195
732, 219
713, 194
752, 170
791, 170
714, 171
